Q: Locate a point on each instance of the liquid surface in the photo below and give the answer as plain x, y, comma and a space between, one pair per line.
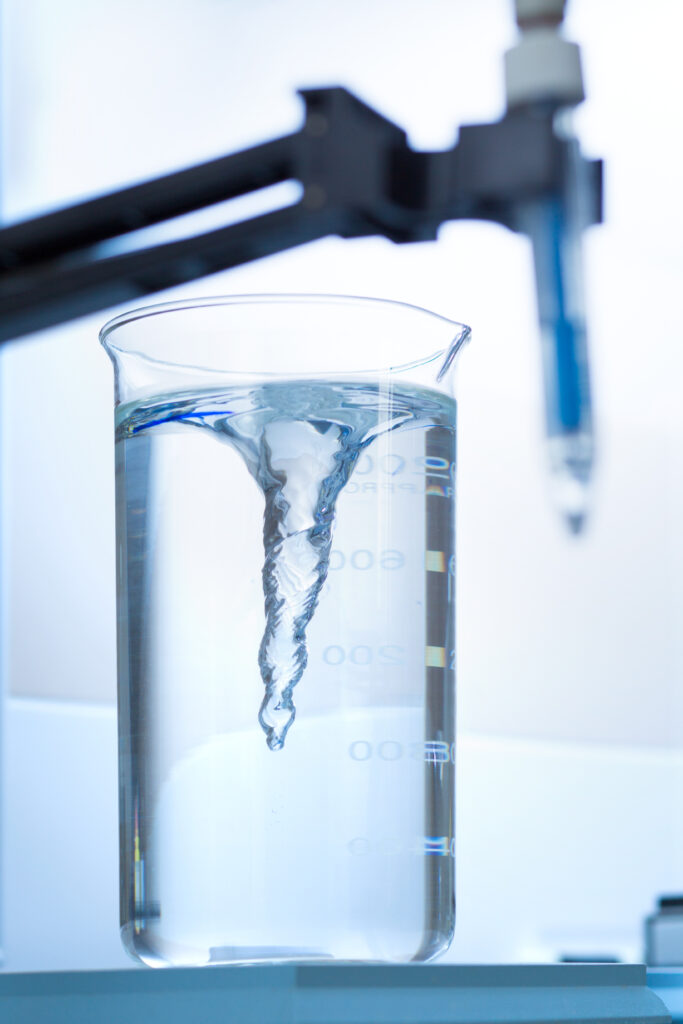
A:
300, 442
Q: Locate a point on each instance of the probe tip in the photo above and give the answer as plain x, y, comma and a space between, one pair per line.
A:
571, 464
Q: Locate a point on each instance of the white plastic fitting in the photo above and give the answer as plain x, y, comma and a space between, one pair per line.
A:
543, 66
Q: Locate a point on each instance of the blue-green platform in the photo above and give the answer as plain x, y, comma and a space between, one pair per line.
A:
336, 994
667, 982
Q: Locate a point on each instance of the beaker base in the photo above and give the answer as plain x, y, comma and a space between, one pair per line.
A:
264, 954
153, 951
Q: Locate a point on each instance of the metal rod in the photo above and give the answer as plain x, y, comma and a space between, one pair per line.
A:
58, 293
150, 202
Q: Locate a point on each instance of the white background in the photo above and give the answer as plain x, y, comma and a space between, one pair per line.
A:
570, 657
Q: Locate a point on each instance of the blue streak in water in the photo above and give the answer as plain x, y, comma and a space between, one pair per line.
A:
179, 417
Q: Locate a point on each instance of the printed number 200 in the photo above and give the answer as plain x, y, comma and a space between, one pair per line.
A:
362, 654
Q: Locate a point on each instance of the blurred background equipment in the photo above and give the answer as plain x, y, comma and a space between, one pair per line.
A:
664, 933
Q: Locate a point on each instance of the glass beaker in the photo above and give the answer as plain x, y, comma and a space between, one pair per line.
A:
285, 470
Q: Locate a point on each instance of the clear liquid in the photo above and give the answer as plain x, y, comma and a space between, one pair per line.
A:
354, 493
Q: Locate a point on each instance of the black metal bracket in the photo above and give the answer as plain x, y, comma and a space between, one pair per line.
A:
359, 176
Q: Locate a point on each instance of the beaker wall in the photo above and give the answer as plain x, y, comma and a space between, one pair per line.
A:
286, 640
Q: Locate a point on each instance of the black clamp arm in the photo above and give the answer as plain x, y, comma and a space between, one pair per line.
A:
359, 176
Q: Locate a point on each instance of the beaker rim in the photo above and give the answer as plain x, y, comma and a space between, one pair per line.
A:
406, 337
262, 298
